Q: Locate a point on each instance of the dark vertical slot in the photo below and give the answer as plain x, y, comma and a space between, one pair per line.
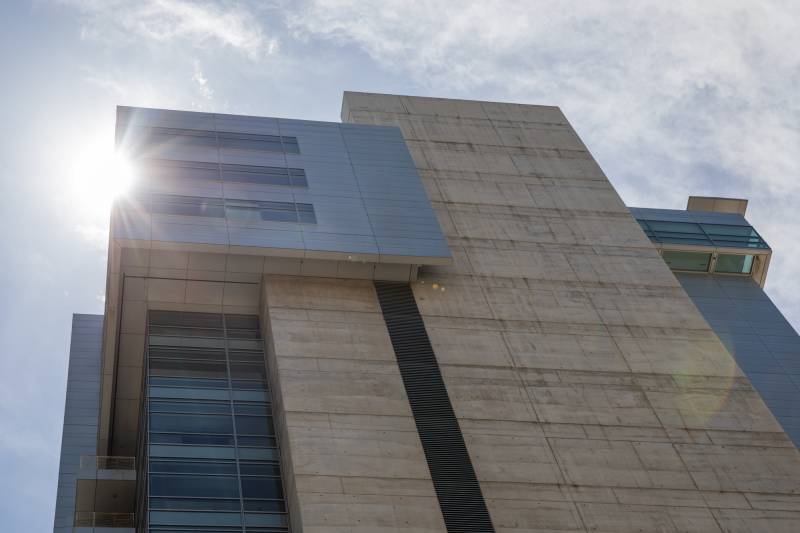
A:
454, 480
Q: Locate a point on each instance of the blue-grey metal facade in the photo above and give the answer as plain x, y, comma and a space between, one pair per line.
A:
368, 199
81, 412
754, 331
751, 327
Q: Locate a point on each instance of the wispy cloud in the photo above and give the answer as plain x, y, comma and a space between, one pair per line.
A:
673, 98
202, 23
202, 82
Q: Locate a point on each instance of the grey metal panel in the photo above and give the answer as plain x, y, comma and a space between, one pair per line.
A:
245, 124
264, 237
189, 233
754, 331
81, 412
367, 194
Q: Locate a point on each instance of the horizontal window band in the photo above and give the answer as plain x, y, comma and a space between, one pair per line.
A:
224, 208
219, 139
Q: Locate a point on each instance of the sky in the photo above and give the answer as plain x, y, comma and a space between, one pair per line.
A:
672, 98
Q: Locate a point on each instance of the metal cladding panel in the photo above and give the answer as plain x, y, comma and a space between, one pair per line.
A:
361, 181
754, 331
82, 408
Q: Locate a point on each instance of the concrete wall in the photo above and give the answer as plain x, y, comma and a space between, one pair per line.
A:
353, 461
81, 410
592, 394
765, 345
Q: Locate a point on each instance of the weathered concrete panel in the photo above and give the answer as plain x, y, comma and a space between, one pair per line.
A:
592, 394
356, 459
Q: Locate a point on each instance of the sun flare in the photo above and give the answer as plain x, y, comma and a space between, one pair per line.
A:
99, 175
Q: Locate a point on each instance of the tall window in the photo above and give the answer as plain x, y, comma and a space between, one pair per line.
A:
210, 451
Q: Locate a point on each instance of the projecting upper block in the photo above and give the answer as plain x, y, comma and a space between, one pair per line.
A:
274, 187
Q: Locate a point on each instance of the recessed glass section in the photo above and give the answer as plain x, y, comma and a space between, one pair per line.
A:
734, 264
194, 486
687, 261
209, 458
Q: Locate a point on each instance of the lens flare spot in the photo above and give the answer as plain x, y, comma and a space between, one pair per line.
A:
100, 174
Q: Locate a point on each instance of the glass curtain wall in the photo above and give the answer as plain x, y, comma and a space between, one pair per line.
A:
208, 442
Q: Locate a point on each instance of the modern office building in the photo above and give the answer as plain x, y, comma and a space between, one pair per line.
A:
721, 261
435, 316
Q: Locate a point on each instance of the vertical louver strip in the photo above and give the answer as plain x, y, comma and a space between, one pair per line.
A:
454, 480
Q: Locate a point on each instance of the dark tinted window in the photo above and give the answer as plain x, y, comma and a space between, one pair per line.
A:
178, 137
188, 368
241, 322
298, 177
202, 383
248, 384
241, 408
264, 506
187, 206
193, 467
290, 145
247, 141
261, 487
185, 423
157, 136
194, 486
254, 425
305, 213
169, 168
209, 407
248, 370
259, 469
692, 261
734, 264
278, 211
255, 174
189, 504
233, 209
187, 353
193, 439
251, 441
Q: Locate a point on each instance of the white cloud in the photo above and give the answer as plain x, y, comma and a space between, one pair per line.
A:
202, 23
673, 98
202, 82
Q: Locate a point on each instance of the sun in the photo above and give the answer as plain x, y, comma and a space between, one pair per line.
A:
99, 174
